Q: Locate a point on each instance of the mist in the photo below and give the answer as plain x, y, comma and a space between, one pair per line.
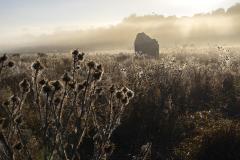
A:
217, 27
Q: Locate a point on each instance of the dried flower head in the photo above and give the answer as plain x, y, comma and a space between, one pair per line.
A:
14, 99
18, 146
46, 88
97, 75
66, 77
119, 95
37, 66
75, 52
57, 85
42, 82
112, 89
10, 64
91, 65
24, 86
81, 56
125, 100
3, 58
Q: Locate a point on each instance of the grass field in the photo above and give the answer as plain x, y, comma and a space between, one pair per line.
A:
185, 105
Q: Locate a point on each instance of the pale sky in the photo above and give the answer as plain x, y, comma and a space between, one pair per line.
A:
34, 17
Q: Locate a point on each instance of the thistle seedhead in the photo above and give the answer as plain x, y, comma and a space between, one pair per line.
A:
18, 146
130, 94
57, 85
66, 77
125, 100
37, 66
24, 86
10, 64
42, 82
81, 56
97, 75
119, 94
3, 58
46, 88
91, 65
14, 99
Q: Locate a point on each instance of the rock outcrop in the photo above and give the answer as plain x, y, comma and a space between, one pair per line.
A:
145, 45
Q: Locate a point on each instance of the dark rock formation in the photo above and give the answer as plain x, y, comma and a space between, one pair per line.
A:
145, 45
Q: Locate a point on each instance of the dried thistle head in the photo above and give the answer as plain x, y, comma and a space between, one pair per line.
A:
75, 52
112, 89
125, 100
57, 85
97, 75
24, 86
66, 77
81, 56
37, 66
47, 89
130, 94
42, 82
14, 99
3, 58
119, 94
91, 65
10, 64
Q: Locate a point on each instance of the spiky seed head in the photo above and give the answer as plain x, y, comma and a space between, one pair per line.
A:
37, 66
66, 77
3, 58
57, 85
72, 85
80, 87
75, 52
97, 75
42, 82
119, 95
125, 100
91, 65
81, 56
18, 146
124, 89
46, 88
10, 64
24, 86
130, 94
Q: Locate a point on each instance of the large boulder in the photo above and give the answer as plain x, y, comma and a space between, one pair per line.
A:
145, 45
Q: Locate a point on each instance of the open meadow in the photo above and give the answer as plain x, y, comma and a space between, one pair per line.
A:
184, 105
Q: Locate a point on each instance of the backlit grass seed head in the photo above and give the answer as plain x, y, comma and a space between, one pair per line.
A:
24, 86
10, 64
119, 94
3, 58
57, 85
37, 66
91, 65
66, 77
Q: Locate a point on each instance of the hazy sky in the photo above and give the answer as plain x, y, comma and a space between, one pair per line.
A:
35, 17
